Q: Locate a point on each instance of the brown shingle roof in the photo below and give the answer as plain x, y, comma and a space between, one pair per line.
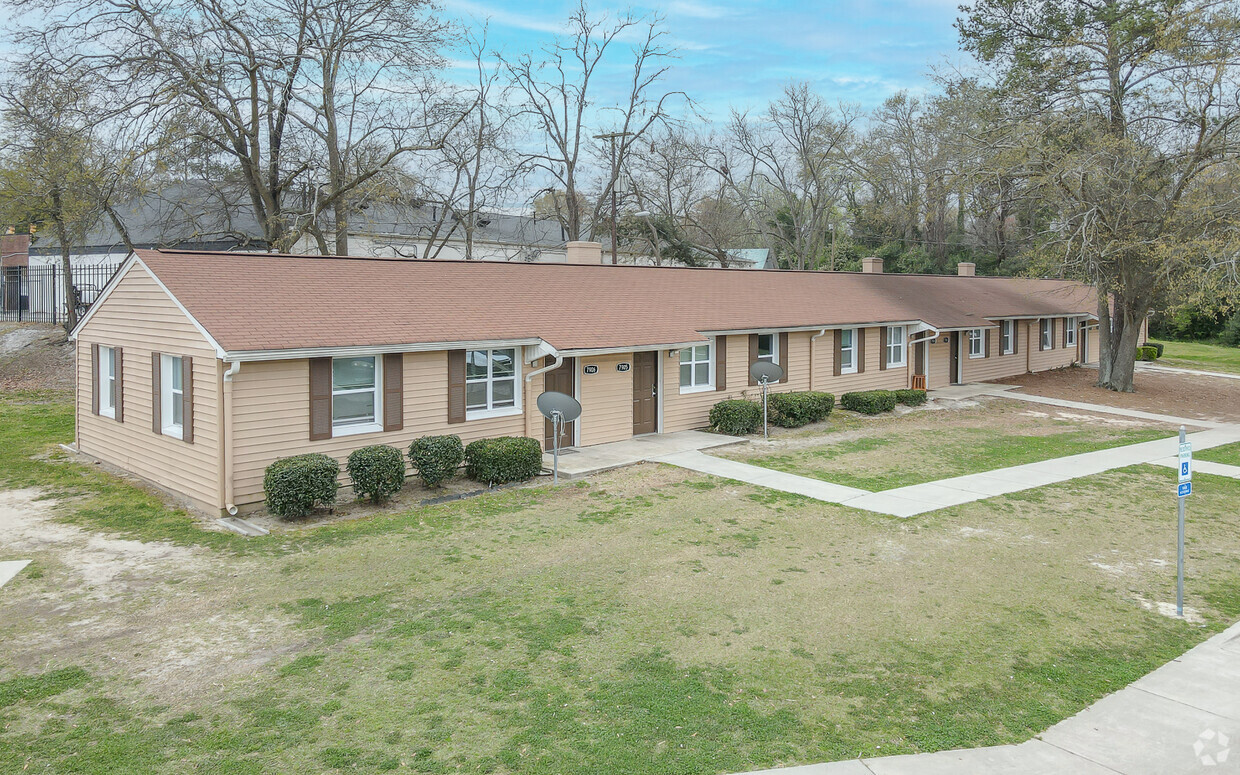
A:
273, 302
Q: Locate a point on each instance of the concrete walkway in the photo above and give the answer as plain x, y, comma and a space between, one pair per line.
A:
9, 570
1158, 368
1183, 718
931, 496
583, 461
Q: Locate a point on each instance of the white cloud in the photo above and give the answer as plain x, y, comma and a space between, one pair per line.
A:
697, 9
506, 18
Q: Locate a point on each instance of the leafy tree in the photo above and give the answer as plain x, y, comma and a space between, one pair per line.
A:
1133, 105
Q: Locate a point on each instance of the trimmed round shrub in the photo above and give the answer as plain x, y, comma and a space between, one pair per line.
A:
911, 397
377, 471
869, 401
1159, 345
436, 458
503, 459
297, 485
792, 410
736, 417
1146, 353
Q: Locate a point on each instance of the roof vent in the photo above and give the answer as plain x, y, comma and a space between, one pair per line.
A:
872, 265
966, 269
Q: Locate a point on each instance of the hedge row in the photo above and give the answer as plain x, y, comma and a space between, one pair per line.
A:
741, 417
297, 485
869, 401
1149, 352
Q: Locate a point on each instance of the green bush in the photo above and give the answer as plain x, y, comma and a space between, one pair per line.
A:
792, 410
736, 417
869, 401
911, 397
1230, 335
297, 485
1159, 345
436, 458
503, 459
377, 471
1147, 353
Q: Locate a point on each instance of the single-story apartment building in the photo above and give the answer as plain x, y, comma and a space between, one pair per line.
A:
196, 370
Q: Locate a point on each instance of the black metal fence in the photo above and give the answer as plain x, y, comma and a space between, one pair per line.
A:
37, 293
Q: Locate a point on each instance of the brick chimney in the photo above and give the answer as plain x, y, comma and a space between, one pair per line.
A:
872, 265
14, 250
583, 253
966, 269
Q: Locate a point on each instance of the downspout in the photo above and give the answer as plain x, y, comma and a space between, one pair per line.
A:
226, 438
813, 339
559, 361
931, 334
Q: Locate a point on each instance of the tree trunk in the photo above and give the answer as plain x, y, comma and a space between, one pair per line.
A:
66, 264
1118, 355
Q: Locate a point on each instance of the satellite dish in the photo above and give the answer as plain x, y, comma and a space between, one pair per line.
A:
553, 402
773, 372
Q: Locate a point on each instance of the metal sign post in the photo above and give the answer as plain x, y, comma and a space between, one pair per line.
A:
764, 373
1183, 489
559, 408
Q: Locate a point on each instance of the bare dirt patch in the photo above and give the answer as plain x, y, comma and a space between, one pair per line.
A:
1184, 395
35, 356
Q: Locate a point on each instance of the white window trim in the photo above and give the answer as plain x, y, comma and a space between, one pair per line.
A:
903, 344
710, 371
503, 411
774, 356
167, 397
1069, 332
1046, 331
981, 340
107, 373
353, 429
1007, 329
851, 349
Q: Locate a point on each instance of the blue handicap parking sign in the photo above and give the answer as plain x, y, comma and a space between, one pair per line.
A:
1184, 489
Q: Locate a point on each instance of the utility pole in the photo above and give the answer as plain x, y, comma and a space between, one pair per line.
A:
611, 137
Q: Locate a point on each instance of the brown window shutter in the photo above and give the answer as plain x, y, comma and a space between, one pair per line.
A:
456, 386
1015, 338
753, 355
320, 398
883, 333
783, 354
94, 379
859, 336
393, 391
1066, 323
721, 363
1051, 323
157, 397
986, 333
187, 399
118, 354
837, 368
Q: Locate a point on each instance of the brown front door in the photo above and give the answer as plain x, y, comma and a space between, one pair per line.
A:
954, 360
919, 358
645, 392
561, 380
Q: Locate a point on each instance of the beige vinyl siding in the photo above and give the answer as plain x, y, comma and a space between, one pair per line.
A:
692, 410
873, 378
606, 399
141, 318
1043, 360
939, 362
271, 416
997, 366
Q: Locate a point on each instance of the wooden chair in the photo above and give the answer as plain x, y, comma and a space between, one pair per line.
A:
919, 382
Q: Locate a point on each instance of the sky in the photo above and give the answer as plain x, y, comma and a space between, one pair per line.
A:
740, 53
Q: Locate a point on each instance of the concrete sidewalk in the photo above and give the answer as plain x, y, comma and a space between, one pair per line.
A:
1181, 719
931, 496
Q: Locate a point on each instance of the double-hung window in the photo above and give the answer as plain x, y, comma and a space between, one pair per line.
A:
977, 343
696, 367
107, 381
895, 346
1006, 334
1048, 334
766, 348
355, 395
1069, 333
172, 398
848, 351
492, 382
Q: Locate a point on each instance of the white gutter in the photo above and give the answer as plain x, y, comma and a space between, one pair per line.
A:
634, 349
226, 438
411, 347
813, 339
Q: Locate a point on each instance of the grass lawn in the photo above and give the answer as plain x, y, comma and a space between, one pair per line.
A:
925, 446
649, 621
1200, 355
1228, 454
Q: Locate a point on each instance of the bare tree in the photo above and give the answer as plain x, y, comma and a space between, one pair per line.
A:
559, 91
